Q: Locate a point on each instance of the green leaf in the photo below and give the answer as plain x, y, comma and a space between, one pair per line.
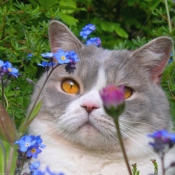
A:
107, 26
46, 4
7, 127
68, 19
120, 32
25, 124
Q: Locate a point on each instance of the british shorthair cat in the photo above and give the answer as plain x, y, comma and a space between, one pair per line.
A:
80, 137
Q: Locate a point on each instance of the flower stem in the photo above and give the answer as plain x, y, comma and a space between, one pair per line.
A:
37, 98
2, 93
10, 160
169, 24
162, 162
4, 152
122, 147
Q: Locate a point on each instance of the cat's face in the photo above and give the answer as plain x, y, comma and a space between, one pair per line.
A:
79, 116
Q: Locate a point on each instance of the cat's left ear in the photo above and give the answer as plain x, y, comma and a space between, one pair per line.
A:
61, 37
154, 56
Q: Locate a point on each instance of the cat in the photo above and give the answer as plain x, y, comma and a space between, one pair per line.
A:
80, 137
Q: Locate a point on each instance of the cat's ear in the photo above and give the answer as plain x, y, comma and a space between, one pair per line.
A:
61, 37
154, 56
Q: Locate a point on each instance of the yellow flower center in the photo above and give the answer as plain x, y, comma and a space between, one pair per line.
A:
33, 150
63, 57
9, 69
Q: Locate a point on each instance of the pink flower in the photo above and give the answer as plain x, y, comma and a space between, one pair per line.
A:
113, 99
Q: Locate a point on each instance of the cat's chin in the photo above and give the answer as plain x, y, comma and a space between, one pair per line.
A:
90, 137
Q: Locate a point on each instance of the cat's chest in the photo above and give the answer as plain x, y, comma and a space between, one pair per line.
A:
74, 162
70, 160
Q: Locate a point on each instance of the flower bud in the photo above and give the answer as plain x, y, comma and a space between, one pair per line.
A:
113, 100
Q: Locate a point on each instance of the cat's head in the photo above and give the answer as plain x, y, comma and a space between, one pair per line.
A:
79, 116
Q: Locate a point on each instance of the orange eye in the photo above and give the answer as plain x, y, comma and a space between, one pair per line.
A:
70, 86
128, 92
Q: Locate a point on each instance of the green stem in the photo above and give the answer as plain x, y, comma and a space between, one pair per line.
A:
122, 147
10, 160
4, 152
169, 24
168, 15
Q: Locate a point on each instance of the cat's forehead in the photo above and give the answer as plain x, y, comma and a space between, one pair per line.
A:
118, 66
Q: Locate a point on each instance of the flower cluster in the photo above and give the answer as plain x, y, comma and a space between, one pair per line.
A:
86, 31
34, 170
163, 141
30, 145
93, 41
70, 58
7, 69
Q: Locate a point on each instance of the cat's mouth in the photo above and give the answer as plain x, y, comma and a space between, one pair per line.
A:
88, 125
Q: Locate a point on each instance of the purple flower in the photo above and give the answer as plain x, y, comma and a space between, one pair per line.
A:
62, 57
113, 99
25, 143
112, 96
93, 41
162, 140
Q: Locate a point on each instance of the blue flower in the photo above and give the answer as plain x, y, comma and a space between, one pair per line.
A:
1, 63
38, 141
170, 60
29, 56
62, 57
11, 70
87, 30
94, 41
25, 143
37, 172
73, 56
47, 55
162, 140
46, 64
34, 151
34, 166
53, 173
90, 26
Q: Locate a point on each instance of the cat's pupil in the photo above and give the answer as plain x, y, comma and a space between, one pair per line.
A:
70, 86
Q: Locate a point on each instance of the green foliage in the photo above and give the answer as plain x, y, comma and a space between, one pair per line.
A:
155, 166
134, 169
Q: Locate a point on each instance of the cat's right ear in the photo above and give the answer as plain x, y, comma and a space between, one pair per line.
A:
61, 37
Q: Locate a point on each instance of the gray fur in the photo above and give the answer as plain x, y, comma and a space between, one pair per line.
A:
139, 70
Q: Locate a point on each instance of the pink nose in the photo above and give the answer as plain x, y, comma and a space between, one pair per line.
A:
89, 107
